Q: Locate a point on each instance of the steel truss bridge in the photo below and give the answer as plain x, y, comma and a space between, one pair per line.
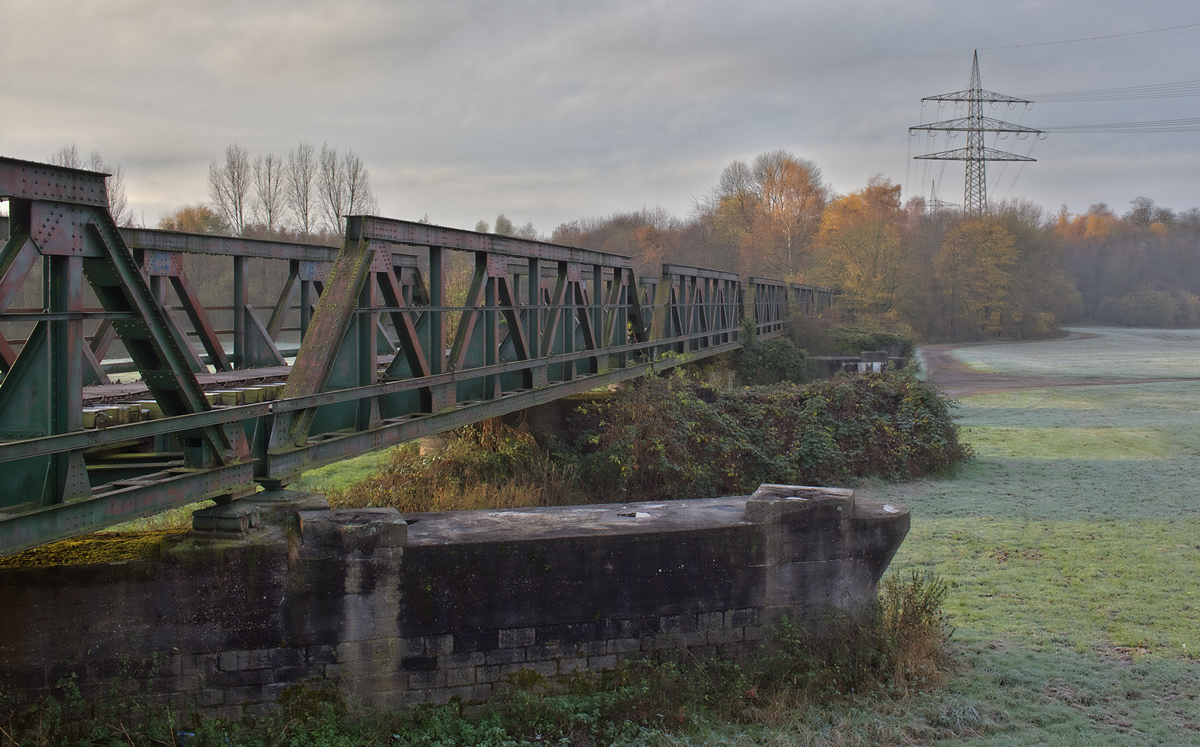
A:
125, 392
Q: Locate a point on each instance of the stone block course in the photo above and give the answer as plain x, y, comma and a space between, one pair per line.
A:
487, 673
677, 623
419, 663
517, 637
460, 676
741, 618
573, 665
481, 640
456, 661
566, 633
505, 656
623, 645
726, 635
602, 662
321, 654
638, 627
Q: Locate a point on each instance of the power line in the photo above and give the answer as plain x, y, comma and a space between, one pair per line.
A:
1188, 124
1127, 93
1092, 38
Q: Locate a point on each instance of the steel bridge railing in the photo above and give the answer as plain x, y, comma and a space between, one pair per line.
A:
404, 331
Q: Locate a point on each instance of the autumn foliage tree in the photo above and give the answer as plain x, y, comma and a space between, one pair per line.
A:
766, 214
194, 219
791, 199
861, 252
974, 276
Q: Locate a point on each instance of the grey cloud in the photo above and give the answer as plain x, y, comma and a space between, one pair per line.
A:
550, 110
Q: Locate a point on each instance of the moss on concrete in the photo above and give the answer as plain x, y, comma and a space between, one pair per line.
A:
102, 547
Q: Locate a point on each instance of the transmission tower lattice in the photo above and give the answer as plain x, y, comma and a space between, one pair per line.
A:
975, 125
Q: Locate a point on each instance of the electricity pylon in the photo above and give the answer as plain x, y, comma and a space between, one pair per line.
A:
975, 125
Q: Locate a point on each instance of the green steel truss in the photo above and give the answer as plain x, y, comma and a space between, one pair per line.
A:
383, 356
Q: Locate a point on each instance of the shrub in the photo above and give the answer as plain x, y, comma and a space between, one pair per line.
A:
664, 438
771, 361
660, 439
1146, 306
854, 340
897, 643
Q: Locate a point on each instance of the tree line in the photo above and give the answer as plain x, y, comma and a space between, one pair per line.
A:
1017, 272
1014, 273
304, 195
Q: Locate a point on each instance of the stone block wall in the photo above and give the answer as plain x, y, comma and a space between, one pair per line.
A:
398, 610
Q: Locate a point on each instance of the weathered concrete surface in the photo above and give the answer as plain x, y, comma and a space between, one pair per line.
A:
441, 605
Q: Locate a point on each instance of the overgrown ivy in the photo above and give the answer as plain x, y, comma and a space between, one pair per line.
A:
773, 361
665, 438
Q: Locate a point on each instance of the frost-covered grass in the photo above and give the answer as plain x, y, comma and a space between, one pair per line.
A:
1072, 546
1111, 353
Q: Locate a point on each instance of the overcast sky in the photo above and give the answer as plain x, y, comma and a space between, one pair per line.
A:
549, 110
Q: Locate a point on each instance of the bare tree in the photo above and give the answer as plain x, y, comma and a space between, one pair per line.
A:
269, 203
792, 196
229, 187
737, 187
331, 185
358, 186
344, 187
118, 203
300, 186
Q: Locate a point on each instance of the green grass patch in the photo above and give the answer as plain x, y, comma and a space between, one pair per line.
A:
342, 474
1085, 585
1068, 443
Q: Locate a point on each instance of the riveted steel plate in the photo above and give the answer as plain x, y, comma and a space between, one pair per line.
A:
157, 263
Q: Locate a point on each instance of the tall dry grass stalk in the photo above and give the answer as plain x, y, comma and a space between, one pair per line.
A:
485, 466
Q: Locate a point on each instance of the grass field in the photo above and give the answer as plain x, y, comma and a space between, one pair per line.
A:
1072, 545
1100, 352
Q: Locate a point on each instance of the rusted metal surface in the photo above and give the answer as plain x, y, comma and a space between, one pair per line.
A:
383, 355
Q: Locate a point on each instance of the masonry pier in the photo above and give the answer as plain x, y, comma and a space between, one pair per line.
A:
395, 610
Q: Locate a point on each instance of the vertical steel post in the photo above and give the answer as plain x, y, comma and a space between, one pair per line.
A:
241, 297
366, 327
491, 333
599, 363
437, 317
64, 295
533, 319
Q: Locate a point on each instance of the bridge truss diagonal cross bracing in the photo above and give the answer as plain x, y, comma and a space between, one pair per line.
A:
129, 387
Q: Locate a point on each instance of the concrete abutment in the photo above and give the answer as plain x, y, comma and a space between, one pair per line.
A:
427, 607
